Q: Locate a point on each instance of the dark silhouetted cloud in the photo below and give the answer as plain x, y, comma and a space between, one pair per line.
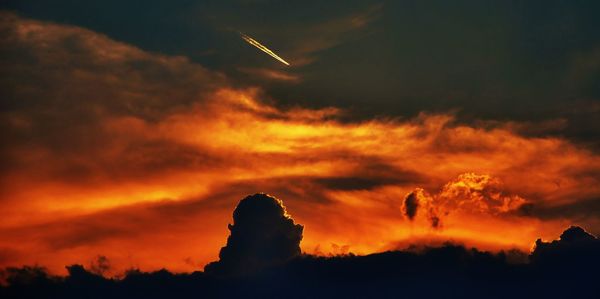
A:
575, 246
262, 235
411, 204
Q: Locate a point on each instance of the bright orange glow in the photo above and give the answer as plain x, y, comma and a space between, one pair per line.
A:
252, 147
159, 191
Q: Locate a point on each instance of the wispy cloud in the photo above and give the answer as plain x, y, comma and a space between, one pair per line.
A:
271, 74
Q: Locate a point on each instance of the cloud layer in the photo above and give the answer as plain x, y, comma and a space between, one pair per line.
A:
110, 150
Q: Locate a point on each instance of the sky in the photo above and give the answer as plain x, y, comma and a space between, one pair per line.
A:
132, 130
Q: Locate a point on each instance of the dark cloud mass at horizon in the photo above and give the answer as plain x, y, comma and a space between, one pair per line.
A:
568, 264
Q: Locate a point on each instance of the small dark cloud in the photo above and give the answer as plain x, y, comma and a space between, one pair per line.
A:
262, 235
411, 204
435, 221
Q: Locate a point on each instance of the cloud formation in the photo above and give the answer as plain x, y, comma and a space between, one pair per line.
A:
411, 204
574, 246
495, 61
262, 235
104, 140
480, 193
469, 193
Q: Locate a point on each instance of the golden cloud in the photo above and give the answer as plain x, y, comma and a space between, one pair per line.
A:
115, 151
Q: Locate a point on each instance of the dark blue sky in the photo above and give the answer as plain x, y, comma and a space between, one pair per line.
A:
492, 60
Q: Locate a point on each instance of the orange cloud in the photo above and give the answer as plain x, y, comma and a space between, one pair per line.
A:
141, 158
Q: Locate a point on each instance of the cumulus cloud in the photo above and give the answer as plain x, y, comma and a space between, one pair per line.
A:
478, 193
575, 245
419, 200
262, 235
469, 193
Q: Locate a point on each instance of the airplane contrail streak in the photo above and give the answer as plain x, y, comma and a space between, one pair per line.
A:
262, 48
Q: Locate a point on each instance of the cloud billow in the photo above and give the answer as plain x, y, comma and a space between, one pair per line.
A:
262, 235
575, 246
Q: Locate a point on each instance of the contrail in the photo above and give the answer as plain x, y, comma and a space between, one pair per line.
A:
262, 48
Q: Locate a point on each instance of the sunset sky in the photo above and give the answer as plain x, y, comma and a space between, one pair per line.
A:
132, 130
